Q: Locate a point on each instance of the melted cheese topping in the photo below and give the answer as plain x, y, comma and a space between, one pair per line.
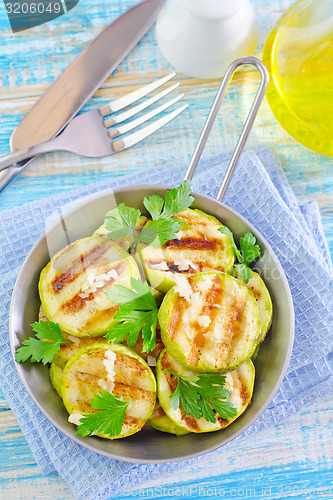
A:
151, 361
160, 266
182, 287
74, 418
94, 282
73, 339
108, 362
204, 321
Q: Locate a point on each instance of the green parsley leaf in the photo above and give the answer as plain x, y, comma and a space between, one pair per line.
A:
154, 205
45, 346
157, 232
121, 221
165, 225
226, 230
250, 250
176, 200
244, 272
201, 395
137, 313
248, 253
109, 420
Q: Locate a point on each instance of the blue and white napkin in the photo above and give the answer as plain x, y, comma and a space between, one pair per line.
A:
260, 192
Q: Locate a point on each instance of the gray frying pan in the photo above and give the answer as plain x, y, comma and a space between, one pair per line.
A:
150, 445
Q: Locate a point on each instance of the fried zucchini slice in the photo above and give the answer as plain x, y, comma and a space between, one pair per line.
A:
125, 241
66, 351
264, 303
210, 325
42, 316
198, 248
56, 372
239, 382
72, 285
127, 375
160, 421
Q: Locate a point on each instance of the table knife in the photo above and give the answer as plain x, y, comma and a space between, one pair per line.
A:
78, 82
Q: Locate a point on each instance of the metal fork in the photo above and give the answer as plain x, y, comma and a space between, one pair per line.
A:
92, 134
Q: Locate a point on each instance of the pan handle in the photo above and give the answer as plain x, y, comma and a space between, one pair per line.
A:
247, 126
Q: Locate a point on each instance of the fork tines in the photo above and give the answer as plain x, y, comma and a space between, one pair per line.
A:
123, 102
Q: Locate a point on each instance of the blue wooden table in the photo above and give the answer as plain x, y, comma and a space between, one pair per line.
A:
290, 460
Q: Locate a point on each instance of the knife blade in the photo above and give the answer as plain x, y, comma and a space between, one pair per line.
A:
80, 80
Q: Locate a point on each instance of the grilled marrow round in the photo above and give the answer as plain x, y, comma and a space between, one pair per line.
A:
198, 248
239, 382
72, 285
210, 323
160, 421
66, 351
264, 303
116, 369
56, 372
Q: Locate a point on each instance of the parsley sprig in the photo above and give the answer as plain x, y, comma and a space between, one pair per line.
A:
201, 395
121, 221
45, 346
249, 251
109, 420
137, 312
176, 200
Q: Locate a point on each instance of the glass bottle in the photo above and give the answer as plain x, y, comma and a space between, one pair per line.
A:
299, 56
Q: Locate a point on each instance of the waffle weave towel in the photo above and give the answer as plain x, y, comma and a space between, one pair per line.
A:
260, 192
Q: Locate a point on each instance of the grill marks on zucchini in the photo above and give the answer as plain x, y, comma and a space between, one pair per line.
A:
176, 318
72, 285
213, 296
194, 243
233, 331
80, 265
201, 248
83, 376
77, 302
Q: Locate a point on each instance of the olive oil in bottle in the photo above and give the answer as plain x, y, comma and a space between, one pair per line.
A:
299, 56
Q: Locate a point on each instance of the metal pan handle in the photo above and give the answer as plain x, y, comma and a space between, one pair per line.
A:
247, 126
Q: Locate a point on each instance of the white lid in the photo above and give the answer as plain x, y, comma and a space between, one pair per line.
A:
213, 9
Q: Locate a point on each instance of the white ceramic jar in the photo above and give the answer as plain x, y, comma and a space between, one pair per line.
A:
202, 37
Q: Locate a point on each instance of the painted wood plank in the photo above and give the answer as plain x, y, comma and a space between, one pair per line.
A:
32, 59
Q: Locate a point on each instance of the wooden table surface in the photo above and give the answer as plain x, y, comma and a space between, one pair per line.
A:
290, 460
